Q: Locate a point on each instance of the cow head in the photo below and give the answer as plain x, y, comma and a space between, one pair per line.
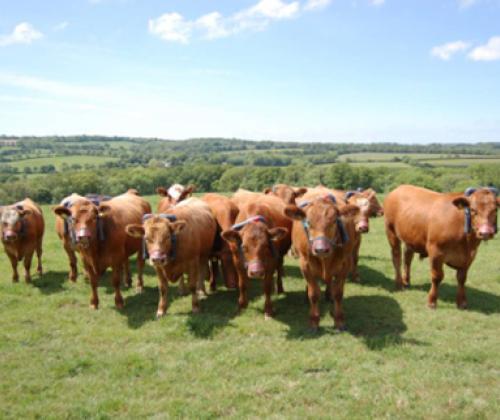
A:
481, 204
173, 195
320, 219
368, 207
159, 232
256, 244
285, 192
12, 218
82, 217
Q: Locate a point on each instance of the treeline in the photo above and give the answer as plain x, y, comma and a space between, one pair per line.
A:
51, 188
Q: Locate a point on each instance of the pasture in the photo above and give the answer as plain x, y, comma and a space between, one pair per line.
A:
399, 359
58, 161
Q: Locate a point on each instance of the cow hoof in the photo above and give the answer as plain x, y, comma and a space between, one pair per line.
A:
93, 306
462, 305
14, 280
267, 317
340, 328
432, 305
313, 329
160, 314
195, 310
139, 290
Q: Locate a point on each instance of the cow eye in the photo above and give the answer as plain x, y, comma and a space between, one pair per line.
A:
244, 248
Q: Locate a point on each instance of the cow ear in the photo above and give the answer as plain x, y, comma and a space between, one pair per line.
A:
278, 233
231, 236
62, 211
178, 226
461, 202
299, 192
349, 210
268, 190
25, 212
162, 191
136, 231
295, 213
187, 192
104, 210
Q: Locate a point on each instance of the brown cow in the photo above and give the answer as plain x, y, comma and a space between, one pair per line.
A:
178, 242
322, 235
101, 240
22, 234
65, 233
225, 212
448, 228
259, 241
285, 192
173, 195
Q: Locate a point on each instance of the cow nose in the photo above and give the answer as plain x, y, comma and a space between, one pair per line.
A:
158, 257
486, 231
82, 233
363, 227
321, 246
10, 235
255, 270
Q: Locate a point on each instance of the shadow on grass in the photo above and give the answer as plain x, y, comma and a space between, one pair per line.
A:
478, 300
51, 282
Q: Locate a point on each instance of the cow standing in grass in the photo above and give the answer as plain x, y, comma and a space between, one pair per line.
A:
101, 240
225, 212
178, 242
22, 227
323, 235
448, 228
259, 241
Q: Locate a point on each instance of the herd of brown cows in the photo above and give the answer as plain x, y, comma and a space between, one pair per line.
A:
249, 234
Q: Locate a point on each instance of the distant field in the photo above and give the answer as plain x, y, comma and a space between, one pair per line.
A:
57, 161
462, 162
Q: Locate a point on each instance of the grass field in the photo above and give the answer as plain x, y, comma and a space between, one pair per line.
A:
58, 161
398, 359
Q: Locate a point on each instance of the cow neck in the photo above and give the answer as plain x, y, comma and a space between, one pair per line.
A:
241, 225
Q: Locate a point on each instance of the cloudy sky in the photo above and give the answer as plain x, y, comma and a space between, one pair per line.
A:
322, 70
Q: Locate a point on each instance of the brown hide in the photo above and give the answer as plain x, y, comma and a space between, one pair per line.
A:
256, 252
22, 229
194, 229
432, 224
287, 193
225, 212
323, 254
97, 255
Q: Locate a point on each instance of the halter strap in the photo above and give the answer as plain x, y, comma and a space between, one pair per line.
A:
173, 237
344, 237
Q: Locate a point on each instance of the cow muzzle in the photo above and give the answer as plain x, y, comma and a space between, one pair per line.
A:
158, 258
256, 269
9, 235
486, 231
321, 247
363, 226
83, 236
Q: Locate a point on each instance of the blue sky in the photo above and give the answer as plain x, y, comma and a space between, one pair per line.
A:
305, 70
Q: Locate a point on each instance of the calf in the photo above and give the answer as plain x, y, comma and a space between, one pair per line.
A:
22, 234
173, 195
259, 241
225, 212
285, 192
101, 240
322, 236
448, 228
178, 243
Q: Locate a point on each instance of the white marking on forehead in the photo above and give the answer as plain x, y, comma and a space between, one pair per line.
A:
175, 191
362, 202
10, 216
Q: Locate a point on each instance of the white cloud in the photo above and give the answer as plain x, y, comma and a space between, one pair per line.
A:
175, 28
446, 51
61, 26
23, 33
316, 4
377, 2
463, 4
171, 27
487, 52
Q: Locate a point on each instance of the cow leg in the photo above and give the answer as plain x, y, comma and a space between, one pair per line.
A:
73, 273
213, 272
27, 266
337, 295
408, 258
461, 298
202, 276
140, 270
437, 275
279, 282
194, 279
39, 252
127, 277
242, 286
94, 280
228, 270
163, 289
268, 290
355, 258
314, 294
116, 276
395, 244
182, 286
13, 262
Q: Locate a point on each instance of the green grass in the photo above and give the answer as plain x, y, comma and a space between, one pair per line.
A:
57, 161
464, 162
398, 359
